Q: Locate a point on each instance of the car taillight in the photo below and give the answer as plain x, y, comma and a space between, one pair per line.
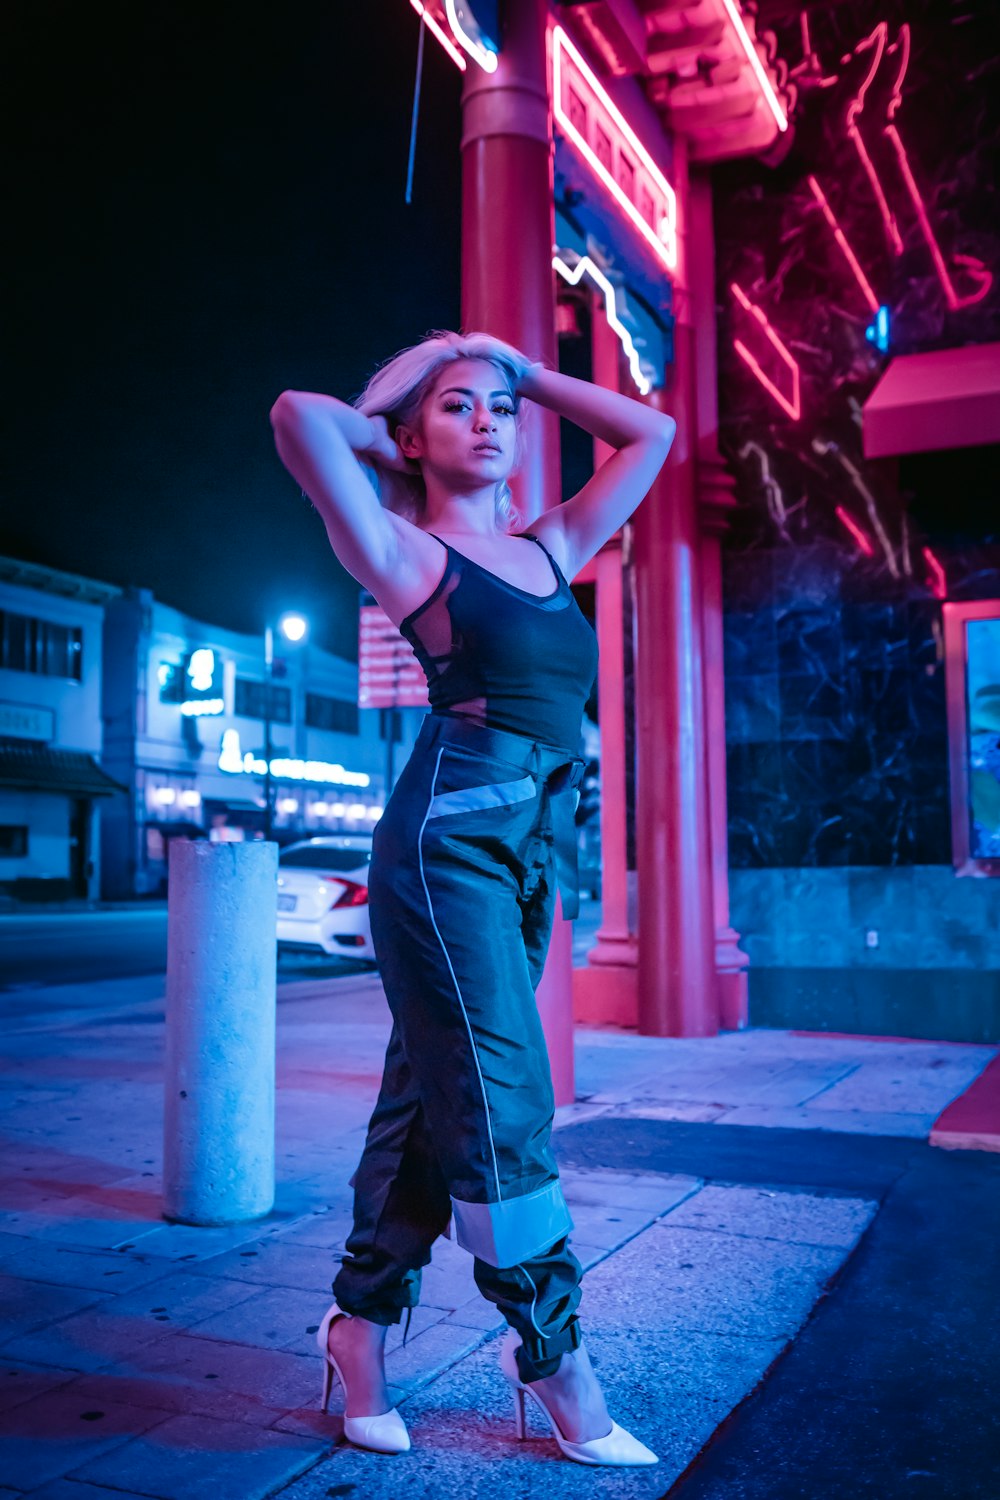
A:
353, 894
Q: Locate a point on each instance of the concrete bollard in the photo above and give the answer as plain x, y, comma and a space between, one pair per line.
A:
218, 1157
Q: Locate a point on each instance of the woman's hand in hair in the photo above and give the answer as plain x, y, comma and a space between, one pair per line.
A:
386, 450
526, 379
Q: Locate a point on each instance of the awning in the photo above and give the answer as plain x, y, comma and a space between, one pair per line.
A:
72, 773
949, 398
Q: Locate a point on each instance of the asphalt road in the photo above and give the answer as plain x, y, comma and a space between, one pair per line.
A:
79, 947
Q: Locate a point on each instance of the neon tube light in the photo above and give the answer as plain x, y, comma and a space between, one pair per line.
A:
573, 276
939, 585
283, 767
877, 333
863, 543
486, 59
771, 98
661, 236
974, 267
440, 33
793, 407
841, 238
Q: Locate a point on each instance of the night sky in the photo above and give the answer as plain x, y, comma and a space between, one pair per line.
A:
208, 207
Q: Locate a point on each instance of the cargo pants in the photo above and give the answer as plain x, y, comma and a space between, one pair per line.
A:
475, 840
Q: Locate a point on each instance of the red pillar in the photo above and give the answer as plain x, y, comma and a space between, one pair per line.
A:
508, 290
604, 990
716, 498
673, 850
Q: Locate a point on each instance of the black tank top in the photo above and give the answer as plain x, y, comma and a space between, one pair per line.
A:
495, 654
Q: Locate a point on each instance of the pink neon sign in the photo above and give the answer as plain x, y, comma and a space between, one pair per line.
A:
939, 583
586, 116
743, 36
423, 11
841, 238
890, 62
790, 404
864, 544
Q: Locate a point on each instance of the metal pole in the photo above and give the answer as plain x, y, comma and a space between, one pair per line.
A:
268, 675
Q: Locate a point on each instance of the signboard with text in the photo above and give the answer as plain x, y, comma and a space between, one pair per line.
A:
389, 675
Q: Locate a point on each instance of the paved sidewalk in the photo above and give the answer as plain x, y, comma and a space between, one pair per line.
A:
144, 1358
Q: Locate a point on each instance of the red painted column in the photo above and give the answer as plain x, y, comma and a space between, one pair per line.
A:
716, 498
508, 290
673, 850
605, 989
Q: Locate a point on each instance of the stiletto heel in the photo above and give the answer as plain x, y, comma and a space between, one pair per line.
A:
617, 1447
385, 1432
519, 1413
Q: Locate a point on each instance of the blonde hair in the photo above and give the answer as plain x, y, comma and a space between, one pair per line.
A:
397, 391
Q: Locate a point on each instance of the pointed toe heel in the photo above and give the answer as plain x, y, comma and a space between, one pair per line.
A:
616, 1448
385, 1432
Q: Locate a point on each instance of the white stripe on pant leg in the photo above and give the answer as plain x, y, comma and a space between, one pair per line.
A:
534, 1299
451, 970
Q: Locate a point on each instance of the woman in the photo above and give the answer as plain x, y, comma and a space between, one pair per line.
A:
475, 841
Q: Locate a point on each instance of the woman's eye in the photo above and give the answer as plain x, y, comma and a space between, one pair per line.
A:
508, 411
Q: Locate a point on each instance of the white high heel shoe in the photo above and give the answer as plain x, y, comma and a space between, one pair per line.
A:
617, 1447
383, 1433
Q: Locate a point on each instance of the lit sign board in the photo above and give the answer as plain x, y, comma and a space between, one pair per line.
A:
389, 675
201, 687
585, 114
283, 768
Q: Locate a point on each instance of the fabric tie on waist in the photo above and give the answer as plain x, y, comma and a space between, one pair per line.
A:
561, 786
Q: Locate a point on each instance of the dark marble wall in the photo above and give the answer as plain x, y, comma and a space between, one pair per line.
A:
835, 701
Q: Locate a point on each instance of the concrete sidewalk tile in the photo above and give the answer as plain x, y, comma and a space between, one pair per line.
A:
21, 1381
426, 1356
188, 1456
447, 1286
88, 1340
272, 1262
698, 1114
201, 1242
182, 1373
423, 1318
325, 1231
76, 1224
716, 1283
609, 1226
637, 1196
478, 1313
60, 1430
272, 1319
71, 1489
764, 1213
27, 1307
813, 1117
177, 1298
61, 1266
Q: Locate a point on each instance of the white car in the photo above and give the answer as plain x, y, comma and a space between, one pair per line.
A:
323, 896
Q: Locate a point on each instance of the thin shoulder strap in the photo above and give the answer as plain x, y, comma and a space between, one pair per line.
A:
557, 570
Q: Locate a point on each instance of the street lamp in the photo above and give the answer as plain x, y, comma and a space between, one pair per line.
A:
294, 628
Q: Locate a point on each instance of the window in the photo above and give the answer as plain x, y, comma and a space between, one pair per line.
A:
250, 701
323, 857
331, 713
42, 646
13, 841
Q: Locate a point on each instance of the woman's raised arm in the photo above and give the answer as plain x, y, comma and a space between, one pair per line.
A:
318, 438
642, 437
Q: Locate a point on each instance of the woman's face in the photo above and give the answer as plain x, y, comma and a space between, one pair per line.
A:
466, 431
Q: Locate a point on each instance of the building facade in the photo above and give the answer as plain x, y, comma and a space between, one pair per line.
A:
125, 724
52, 788
185, 709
